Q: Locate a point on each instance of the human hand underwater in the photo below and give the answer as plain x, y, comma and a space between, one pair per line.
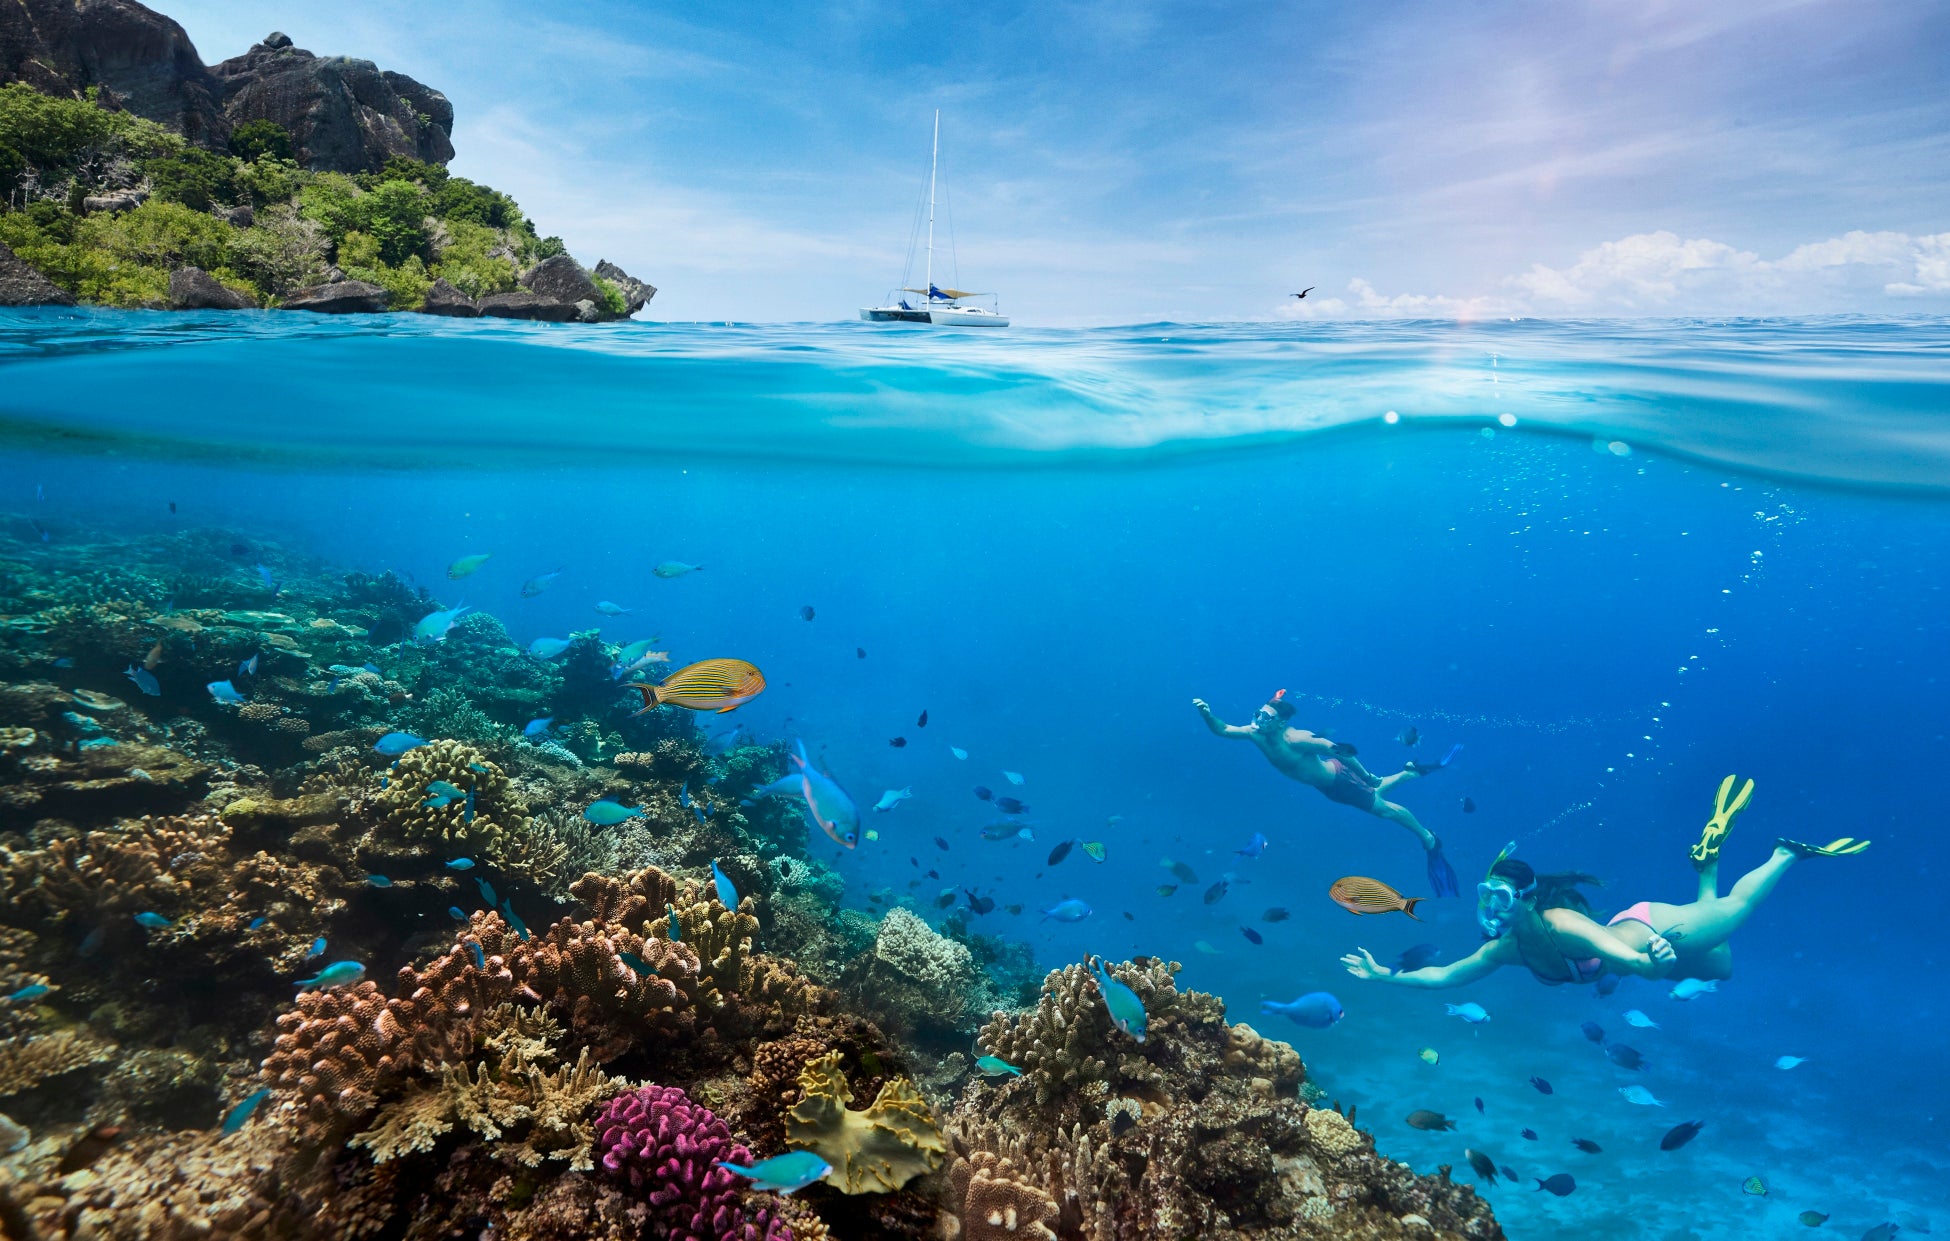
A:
1362, 964
1660, 949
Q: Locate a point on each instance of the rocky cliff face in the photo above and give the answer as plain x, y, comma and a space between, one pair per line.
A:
344, 115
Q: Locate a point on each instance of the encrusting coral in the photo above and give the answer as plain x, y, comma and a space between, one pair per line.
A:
875, 1151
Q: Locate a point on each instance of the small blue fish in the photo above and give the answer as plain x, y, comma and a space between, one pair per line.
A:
635, 962
433, 627
676, 931
1254, 847
467, 810
1071, 910
392, 745
697, 812
225, 693
892, 798
783, 1174
255, 923
248, 667
1125, 1009
337, 974
144, 679
64, 662
606, 813
32, 991
684, 795
237, 1117
480, 958
1317, 1010
379, 881
514, 920
264, 576
1474, 1014
461, 863
372, 668
477, 767
613, 609
317, 948
995, 1066
154, 921
538, 727
487, 891
727, 895
548, 648
537, 584
453, 911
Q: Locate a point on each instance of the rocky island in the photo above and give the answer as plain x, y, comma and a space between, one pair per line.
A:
135, 175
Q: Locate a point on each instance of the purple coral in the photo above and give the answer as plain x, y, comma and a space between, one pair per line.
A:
668, 1148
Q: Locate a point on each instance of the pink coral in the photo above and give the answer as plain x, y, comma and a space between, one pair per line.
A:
662, 1142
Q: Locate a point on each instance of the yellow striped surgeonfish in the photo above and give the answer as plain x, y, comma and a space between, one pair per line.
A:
718, 685
1360, 895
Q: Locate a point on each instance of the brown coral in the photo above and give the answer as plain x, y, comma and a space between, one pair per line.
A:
475, 824
149, 864
990, 1202
875, 1151
27, 1062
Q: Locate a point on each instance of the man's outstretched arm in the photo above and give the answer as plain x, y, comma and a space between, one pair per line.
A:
1218, 726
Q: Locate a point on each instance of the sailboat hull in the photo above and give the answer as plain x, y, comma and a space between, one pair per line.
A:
966, 316
893, 314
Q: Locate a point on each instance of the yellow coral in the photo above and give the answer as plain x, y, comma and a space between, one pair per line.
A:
875, 1151
403, 802
1331, 1132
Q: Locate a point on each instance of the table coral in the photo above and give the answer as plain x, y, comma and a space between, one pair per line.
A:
875, 1151
666, 1146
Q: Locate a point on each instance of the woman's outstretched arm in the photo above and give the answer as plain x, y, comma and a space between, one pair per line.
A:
1479, 964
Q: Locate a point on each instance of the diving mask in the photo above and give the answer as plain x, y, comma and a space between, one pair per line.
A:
1497, 898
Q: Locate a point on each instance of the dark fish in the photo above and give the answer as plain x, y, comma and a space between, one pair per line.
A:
1624, 1057
1479, 1104
1607, 983
785, 868
1166, 889
1813, 1219
1433, 1122
982, 792
940, 844
1181, 872
1060, 852
1586, 1145
1418, 957
806, 613
89, 1147
859, 652
914, 862
1276, 914
1593, 1031
897, 742
944, 900
1409, 737
1881, 1232
172, 506
1679, 1135
1510, 1173
1129, 917
980, 904
1482, 1165
1543, 1087
1217, 892
923, 721
238, 549
1009, 805
934, 874
1252, 935
1528, 1135
1561, 1184
1014, 909
1469, 805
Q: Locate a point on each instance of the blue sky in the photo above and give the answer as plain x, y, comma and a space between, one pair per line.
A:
1130, 162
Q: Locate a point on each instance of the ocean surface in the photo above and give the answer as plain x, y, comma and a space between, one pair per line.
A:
1613, 561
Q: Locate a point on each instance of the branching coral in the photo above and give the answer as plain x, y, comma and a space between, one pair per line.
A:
148, 865
667, 1148
27, 1062
529, 1115
875, 1151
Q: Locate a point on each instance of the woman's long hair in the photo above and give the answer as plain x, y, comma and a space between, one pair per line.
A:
1558, 890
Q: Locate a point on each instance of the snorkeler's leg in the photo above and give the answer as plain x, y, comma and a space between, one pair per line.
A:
1710, 923
1442, 876
1389, 782
1709, 881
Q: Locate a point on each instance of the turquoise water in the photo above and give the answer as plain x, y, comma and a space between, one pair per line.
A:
1614, 561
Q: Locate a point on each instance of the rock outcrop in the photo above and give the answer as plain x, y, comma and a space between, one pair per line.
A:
636, 293
445, 299
143, 61
21, 285
192, 288
343, 115
561, 279
526, 305
341, 297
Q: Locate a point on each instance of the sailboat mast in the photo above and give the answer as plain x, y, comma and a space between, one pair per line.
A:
933, 161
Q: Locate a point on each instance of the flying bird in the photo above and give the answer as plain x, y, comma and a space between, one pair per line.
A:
1310, 288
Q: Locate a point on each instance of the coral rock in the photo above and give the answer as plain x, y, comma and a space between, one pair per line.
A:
993, 1204
875, 1151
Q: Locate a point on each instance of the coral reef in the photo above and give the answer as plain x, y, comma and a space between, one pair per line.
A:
667, 1147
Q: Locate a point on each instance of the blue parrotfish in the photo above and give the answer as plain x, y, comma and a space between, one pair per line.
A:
538, 727
392, 745
892, 798
635, 962
613, 609
783, 1173
144, 679
1068, 910
225, 693
480, 958
996, 1066
439, 793
607, 813
1474, 1014
256, 922
487, 891
433, 627
32, 991
826, 802
537, 584
514, 920
337, 974
238, 1116
454, 912
153, 921
1125, 1009
1254, 847
727, 894
477, 767
676, 929
317, 948
461, 863
467, 809
548, 648
264, 576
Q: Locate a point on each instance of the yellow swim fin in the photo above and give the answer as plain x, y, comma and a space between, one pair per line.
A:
1707, 851
1840, 847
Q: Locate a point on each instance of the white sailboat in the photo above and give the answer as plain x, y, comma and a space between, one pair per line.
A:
939, 307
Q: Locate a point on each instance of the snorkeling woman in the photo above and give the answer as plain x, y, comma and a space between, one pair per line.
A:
1543, 923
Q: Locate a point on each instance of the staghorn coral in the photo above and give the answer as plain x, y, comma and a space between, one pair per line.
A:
667, 1147
875, 1151
989, 1201
530, 849
405, 815
529, 1116
150, 864
27, 1062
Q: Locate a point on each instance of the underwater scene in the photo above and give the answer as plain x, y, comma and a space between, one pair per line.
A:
470, 777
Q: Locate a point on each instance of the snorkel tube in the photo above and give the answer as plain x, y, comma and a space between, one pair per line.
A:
1497, 897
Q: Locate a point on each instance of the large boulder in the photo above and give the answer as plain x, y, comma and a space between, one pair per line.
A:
636, 293
21, 285
561, 279
341, 297
142, 61
445, 299
192, 288
343, 115
523, 304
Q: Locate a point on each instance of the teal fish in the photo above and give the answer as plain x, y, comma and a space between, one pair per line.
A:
379, 881
996, 1065
433, 626
32, 991
675, 568
317, 948
154, 921
467, 812
453, 911
606, 813
480, 958
466, 565
392, 745
255, 923
477, 767
635, 962
514, 920
444, 791
548, 648
727, 895
487, 891
461, 863
783, 1173
1125, 1009
238, 1116
676, 931
337, 974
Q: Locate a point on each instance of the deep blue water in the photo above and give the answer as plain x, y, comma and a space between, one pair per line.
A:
1699, 549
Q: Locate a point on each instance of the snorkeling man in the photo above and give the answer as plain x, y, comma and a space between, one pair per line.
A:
1331, 767
1544, 924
